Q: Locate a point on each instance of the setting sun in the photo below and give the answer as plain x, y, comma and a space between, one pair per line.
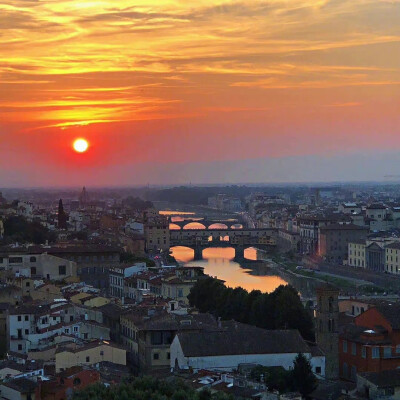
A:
81, 145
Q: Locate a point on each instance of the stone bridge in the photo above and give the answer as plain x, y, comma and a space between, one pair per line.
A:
239, 239
207, 222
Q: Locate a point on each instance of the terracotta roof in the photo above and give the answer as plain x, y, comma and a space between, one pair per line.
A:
21, 385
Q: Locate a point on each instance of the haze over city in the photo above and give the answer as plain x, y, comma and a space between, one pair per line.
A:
204, 92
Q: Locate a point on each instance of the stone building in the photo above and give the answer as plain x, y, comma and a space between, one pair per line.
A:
334, 240
327, 333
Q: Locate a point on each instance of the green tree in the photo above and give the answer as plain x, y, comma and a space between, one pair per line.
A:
281, 309
303, 378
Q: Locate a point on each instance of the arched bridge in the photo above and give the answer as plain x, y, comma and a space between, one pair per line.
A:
207, 222
239, 239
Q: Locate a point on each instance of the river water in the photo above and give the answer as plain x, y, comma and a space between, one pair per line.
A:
219, 262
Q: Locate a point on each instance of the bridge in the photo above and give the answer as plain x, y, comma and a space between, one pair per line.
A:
207, 222
239, 239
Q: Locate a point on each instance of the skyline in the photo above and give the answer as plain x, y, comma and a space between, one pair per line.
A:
217, 92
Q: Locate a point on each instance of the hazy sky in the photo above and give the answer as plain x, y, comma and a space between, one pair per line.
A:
178, 91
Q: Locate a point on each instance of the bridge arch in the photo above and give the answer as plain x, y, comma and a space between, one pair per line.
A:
218, 225
194, 225
174, 227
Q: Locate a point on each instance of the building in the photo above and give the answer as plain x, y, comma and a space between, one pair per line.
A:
118, 275
392, 258
92, 261
66, 382
19, 389
309, 227
148, 334
372, 342
226, 349
32, 263
327, 328
334, 239
89, 354
357, 253
349, 208
156, 231
379, 385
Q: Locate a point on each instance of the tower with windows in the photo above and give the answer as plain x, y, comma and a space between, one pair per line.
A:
326, 328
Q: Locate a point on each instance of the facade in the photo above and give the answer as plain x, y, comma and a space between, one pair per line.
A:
327, 328
379, 385
226, 349
148, 334
19, 389
356, 254
119, 274
309, 227
90, 354
156, 232
372, 343
334, 240
392, 258
66, 382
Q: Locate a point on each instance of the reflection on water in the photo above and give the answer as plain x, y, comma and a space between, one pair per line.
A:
219, 262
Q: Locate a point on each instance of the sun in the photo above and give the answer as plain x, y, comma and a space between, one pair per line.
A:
81, 145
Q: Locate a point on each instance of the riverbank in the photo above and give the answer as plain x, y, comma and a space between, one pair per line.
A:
306, 280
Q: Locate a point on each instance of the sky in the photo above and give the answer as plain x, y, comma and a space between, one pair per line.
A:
180, 91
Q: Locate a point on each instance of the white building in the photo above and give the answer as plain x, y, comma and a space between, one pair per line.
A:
118, 274
43, 265
224, 350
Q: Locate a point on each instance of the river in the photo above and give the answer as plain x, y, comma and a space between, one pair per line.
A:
219, 262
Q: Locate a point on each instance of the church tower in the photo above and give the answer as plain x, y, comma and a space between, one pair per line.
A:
62, 216
326, 328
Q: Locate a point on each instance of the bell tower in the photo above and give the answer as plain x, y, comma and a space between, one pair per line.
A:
326, 327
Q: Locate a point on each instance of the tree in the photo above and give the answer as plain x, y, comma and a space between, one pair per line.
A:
281, 309
302, 376
18, 229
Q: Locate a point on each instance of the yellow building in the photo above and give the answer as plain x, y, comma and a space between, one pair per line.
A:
90, 354
89, 300
392, 258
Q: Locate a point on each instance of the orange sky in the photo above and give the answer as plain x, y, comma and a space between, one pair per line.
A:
155, 85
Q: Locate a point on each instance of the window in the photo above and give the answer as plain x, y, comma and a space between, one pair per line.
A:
344, 346
77, 381
88, 359
15, 260
345, 370
19, 318
353, 349
33, 271
156, 356
318, 370
62, 270
26, 317
20, 347
75, 329
102, 353
364, 352
375, 352
27, 284
26, 331
387, 352
32, 259
156, 338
